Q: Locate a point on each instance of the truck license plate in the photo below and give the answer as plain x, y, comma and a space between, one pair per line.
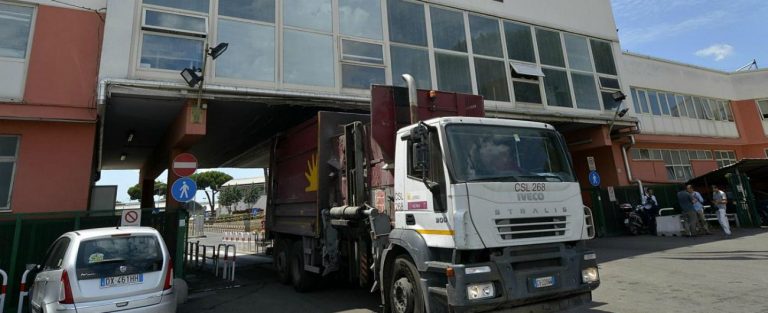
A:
543, 282
115, 281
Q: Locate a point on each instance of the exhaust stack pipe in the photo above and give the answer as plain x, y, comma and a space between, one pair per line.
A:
412, 102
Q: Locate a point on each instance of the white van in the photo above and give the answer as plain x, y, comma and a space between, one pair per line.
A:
125, 269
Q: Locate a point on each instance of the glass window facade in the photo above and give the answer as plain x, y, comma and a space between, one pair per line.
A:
170, 52
486, 36
585, 90
492, 79
189, 5
308, 14
453, 73
519, 42
308, 59
412, 61
360, 18
255, 10
550, 48
448, 30
251, 52
407, 22
578, 53
557, 88
603, 56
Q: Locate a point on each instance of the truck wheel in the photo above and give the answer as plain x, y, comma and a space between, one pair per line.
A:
405, 294
302, 280
282, 266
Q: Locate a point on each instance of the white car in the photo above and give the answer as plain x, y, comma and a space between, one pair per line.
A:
125, 269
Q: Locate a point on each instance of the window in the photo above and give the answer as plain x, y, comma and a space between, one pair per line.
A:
678, 165
55, 255
453, 72
486, 37
448, 30
406, 22
9, 146
492, 79
519, 42
308, 59
690, 107
763, 106
603, 56
360, 18
103, 257
252, 56
635, 100
308, 14
725, 158
256, 10
654, 101
578, 54
412, 61
556, 88
15, 24
641, 95
173, 34
550, 48
663, 103
525, 82
527, 92
362, 64
585, 91
674, 109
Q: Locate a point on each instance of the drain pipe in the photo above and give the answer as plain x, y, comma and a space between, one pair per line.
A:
624, 149
412, 97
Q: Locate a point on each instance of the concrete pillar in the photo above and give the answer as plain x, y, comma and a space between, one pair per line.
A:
147, 192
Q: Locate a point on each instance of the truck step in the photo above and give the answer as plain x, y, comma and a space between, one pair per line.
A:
438, 291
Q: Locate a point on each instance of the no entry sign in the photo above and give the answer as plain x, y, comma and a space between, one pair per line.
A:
131, 218
184, 164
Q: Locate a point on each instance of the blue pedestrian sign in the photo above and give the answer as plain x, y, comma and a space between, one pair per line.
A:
184, 189
594, 178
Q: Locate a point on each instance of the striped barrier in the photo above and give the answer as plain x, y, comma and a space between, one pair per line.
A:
22, 291
3, 289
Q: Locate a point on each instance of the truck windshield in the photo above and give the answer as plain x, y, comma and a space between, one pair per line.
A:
504, 153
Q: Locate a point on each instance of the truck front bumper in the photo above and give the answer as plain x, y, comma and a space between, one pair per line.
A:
542, 278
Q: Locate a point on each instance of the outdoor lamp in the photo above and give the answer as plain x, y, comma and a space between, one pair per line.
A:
618, 96
623, 112
215, 52
191, 77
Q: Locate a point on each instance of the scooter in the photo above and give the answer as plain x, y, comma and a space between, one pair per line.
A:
633, 219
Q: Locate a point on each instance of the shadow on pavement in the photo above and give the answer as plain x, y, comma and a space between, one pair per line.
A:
614, 248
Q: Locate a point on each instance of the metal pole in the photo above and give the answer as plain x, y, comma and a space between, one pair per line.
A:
14, 254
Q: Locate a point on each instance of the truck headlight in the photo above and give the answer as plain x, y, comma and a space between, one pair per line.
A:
480, 291
589, 275
477, 270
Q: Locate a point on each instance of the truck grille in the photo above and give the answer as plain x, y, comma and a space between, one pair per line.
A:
531, 227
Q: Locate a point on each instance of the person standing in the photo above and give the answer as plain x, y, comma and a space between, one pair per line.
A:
698, 205
689, 213
651, 209
720, 200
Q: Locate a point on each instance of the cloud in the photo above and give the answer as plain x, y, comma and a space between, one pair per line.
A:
719, 51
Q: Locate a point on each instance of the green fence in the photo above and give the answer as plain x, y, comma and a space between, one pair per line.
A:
25, 238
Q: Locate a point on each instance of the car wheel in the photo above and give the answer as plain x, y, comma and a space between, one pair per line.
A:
282, 249
303, 281
405, 292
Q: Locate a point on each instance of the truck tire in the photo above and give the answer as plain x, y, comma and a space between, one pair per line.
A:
281, 261
405, 294
303, 281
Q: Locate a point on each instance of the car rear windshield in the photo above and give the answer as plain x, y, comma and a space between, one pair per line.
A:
116, 256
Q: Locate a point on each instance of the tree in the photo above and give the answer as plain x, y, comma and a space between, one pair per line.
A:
230, 196
252, 195
210, 182
135, 191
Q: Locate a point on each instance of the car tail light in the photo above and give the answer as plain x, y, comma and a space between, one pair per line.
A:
169, 275
65, 291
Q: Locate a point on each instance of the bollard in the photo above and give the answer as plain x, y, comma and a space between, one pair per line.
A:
234, 259
22, 291
3, 289
218, 260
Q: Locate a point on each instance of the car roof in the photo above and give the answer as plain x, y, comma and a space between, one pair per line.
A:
107, 231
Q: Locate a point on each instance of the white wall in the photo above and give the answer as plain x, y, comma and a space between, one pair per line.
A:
652, 73
588, 17
750, 85
118, 31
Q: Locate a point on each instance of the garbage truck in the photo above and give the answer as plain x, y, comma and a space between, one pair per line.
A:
432, 205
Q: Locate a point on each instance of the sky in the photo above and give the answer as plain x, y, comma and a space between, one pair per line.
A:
719, 34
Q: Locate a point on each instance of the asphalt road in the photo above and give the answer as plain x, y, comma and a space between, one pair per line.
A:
639, 274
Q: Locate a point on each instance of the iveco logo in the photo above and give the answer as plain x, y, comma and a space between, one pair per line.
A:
123, 268
530, 196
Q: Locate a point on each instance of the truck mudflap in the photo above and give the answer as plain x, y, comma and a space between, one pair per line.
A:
541, 278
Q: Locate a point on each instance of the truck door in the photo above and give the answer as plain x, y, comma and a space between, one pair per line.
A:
421, 187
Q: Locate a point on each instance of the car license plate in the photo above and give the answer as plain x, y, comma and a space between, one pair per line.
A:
116, 281
543, 282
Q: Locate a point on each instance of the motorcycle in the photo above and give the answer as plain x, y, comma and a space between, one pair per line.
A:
634, 221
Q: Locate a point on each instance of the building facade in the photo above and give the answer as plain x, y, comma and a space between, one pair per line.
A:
49, 54
557, 61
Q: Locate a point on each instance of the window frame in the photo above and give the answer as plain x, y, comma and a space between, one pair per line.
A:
342, 61
276, 75
14, 160
161, 29
763, 113
27, 53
